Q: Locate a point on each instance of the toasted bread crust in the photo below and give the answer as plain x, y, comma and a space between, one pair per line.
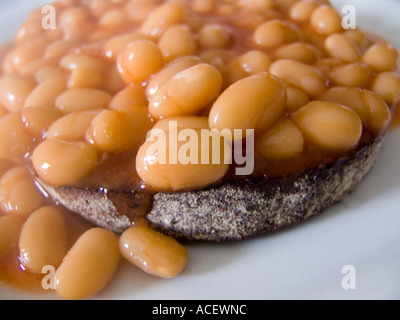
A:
233, 211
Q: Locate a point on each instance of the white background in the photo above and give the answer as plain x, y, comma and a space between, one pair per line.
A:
303, 262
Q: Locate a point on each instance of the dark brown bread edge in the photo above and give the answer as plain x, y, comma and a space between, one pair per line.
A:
233, 211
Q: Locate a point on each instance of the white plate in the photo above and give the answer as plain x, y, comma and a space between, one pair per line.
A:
303, 262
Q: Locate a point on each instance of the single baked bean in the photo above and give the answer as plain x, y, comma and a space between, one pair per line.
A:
29, 30
177, 41
18, 192
15, 141
43, 240
303, 76
203, 6
74, 17
46, 93
162, 18
246, 65
115, 131
226, 9
139, 61
355, 35
47, 73
263, 94
250, 20
99, 7
86, 78
187, 93
301, 11
326, 20
14, 89
89, 266
60, 48
380, 114
72, 126
114, 82
298, 51
295, 99
275, 33
340, 47
282, 141
167, 167
326, 65
64, 163
138, 11
131, 96
114, 18
31, 68
24, 53
10, 227
256, 4
74, 60
381, 57
79, 99
116, 45
350, 97
214, 36
356, 74
329, 126
168, 72
387, 85
38, 119
152, 251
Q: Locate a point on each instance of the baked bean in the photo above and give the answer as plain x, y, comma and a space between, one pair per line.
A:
139, 61
157, 167
152, 251
3, 111
282, 141
203, 6
301, 11
31, 68
355, 35
15, 141
114, 82
79, 99
100, 7
72, 126
226, 9
254, 102
162, 18
295, 99
329, 126
217, 58
38, 119
356, 74
192, 122
138, 11
74, 60
29, 30
387, 85
46, 93
257, 4
380, 114
74, 17
381, 57
18, 193
326, 20
14, 89
86, 78
302, 76
115, 131
43, 240
24, 53
298, 51
247, 64
131, 96
275, 33
214, 36
118, 44
188, 92
89, 266
10, 227
114, 18
64, 163
350, 97
5, 165
177, 41
340, 47
59, 48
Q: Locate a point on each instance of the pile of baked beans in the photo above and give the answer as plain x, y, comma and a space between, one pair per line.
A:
92, 88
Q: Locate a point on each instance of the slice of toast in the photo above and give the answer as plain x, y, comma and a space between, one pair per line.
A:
232, 211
